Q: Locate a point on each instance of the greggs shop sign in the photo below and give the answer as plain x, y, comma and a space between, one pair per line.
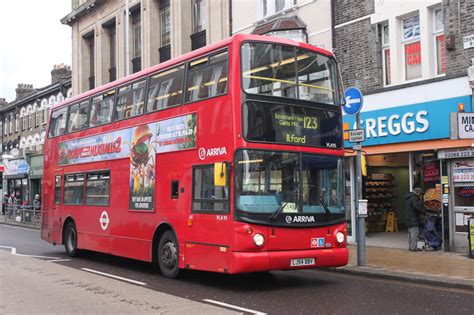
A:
417, 122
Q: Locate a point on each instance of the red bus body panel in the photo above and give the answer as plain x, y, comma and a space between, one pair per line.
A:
212, 242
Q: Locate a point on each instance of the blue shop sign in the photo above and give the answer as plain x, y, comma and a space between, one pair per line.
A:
16, 167
408, 123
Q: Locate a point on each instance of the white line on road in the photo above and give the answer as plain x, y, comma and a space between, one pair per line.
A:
112, 276
58, 260
13, 252
234, 307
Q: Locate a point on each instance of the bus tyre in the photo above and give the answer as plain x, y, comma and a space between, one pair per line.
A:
168, 255
70, 239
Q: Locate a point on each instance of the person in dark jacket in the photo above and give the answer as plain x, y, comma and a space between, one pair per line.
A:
414, 209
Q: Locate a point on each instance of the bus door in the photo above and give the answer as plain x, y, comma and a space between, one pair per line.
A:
209, 224
52, 207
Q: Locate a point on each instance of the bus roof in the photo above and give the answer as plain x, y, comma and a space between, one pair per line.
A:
188, 56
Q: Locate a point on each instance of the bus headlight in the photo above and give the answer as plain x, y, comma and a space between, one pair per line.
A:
340, 237
258, 239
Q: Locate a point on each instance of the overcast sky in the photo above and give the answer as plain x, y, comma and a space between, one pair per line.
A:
32, 41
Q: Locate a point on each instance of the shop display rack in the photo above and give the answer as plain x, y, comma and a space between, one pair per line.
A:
380, 195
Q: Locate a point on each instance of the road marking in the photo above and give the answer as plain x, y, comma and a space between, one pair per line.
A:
58, 260
112, 276
52, 259
234, 307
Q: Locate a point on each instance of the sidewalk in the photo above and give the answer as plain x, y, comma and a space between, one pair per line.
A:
436, 268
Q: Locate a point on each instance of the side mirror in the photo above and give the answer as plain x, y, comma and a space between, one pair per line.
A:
220, 174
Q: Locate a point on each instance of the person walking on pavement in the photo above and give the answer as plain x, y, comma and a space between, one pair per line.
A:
414, 209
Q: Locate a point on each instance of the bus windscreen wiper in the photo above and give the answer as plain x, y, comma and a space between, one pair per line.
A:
284, 203
326, 209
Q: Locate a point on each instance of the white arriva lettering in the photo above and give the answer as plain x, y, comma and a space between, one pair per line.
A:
303, 219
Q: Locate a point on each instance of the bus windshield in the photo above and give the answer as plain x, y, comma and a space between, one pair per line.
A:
268, 182
291, 72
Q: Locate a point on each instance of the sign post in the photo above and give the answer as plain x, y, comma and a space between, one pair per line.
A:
353, 104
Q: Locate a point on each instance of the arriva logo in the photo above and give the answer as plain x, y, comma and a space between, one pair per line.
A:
299, 219
203, 153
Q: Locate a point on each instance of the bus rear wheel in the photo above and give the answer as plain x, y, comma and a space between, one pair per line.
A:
70, 239
168, 255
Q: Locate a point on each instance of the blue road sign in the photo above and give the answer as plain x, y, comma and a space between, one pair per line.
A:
353, 101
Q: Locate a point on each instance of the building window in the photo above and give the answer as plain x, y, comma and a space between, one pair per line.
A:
36, 118
5, 131
438, 34
17, 122
45, 116
199, 18
11, 124
386, 55
165, 23
206, 196
90, 73
136, 40
110, 30
270, 7
412, 47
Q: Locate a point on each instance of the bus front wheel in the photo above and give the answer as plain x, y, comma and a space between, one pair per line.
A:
168, 255
70, 239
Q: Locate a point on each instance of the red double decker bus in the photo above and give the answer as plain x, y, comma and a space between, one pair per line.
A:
226, 159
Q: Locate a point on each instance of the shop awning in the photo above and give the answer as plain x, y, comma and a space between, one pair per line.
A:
414, 146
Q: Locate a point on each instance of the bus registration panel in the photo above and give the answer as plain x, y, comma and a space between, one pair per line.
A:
302, 262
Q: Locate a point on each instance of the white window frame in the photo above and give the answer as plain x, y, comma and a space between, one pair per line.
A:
408, 41
271, 7
436, 33
385, 47
5, 130
11, 124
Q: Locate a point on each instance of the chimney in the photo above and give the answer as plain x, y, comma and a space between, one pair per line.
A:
3, 103
24, 90
59, 72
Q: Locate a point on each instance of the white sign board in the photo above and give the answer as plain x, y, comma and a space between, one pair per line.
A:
468, 41
363, 207
466, 125
455, 153
357, 135
463, 171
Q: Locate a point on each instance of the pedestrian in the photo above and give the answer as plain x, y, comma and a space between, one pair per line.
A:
12, 200
414, 210
37, 202
4, 204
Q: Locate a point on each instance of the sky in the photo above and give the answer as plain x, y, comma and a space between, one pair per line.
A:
32, 41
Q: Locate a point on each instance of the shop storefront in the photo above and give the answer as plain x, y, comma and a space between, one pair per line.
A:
36, 175
16, 179
401, 151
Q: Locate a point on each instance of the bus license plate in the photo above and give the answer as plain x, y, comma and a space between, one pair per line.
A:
302, 262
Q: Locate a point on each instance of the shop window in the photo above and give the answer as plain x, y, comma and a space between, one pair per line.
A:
78, 116
206, 196
57, 190
73, 189
386, 55
102, 109
57, 126
165, 89
412, 47
440, 47
207, 77
98, 188
130, 100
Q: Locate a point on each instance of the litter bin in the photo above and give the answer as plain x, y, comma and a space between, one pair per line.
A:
470, 235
